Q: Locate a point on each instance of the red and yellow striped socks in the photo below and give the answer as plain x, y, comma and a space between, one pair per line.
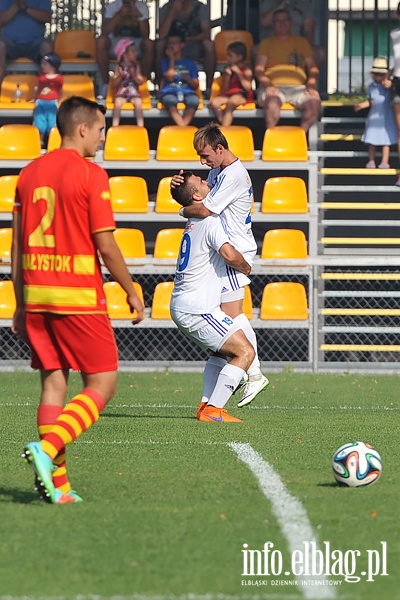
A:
75, 418
46, 417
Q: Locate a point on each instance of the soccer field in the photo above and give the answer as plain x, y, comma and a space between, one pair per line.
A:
178, 509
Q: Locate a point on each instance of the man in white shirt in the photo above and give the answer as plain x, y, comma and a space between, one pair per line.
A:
195, 304
125, 19
231, 197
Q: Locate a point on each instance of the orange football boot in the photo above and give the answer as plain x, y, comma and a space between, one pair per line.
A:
202, 406
220, 415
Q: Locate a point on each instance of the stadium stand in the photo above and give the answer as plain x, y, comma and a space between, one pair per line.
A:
284, 195
129, 194
77, 50
117, 306
19, 142
284, 301
5, 245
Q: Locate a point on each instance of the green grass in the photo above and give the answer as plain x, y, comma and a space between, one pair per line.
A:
168, 505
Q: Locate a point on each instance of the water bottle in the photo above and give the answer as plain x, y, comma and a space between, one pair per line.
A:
17, 94
180, 94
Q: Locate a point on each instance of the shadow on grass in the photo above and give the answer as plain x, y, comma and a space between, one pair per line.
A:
332, 484
18, 496
125, 416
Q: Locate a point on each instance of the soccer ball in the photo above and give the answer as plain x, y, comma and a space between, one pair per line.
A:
356, 464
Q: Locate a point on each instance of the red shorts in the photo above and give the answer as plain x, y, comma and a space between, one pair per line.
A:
83, 343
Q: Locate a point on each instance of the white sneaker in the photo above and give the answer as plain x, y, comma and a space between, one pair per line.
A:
252, 389
242, 384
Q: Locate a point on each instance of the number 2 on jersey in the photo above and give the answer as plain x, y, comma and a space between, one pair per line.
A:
39, 237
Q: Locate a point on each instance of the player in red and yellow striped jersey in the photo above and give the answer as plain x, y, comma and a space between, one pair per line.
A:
62, 220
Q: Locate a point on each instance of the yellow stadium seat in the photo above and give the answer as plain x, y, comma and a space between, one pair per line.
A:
162, 300
284, 301
285, 143
216, 91
248, 302
8, 183
127, 142
7, 300
129, 194
167, 243
226, 37
24, 62
131, 243
164, 201
117, 306
144, 92
5, 245
284, 195
284, 243
26, 83
240, 141
19, 142
175, 142
54, 141
181, 105
71, 43
78, 85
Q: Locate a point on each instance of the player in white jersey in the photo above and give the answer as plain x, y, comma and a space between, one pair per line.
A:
195, 303
231, 197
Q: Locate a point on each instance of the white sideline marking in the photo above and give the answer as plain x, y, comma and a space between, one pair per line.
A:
289, 512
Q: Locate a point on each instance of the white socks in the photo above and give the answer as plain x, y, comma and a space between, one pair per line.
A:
228, 380
244, 324
213, 367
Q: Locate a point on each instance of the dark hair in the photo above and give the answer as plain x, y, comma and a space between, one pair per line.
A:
209, 135
238, 48
279, 11
183, 193
76, 110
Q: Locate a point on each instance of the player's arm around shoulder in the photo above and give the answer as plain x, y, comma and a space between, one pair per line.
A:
113, 260
234, 259
196, 210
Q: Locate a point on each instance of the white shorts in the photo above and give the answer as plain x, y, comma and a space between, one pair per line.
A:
209, 331
294, 94
232, 285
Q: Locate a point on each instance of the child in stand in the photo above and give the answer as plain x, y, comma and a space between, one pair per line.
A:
236, 86
180, 80
380, 126
47, 94
127, 78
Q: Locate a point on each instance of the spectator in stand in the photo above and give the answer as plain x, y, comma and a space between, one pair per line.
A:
394, 80
127, 78
286, 71
180, 79
23, 28
191, 18
380, 126
303, 22
122, 19
236, 84
47, 94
